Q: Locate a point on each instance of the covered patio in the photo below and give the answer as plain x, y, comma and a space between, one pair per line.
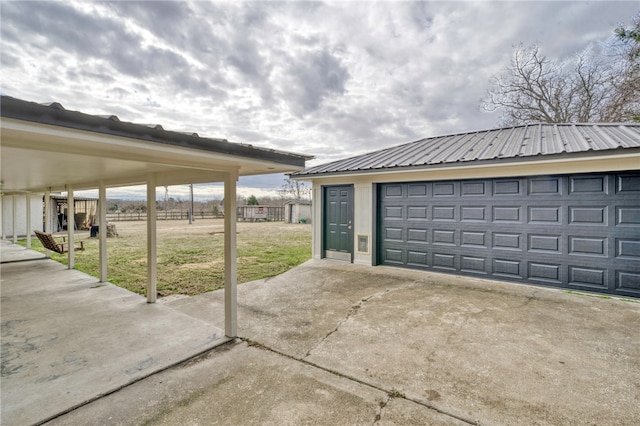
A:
47, 149
68, 339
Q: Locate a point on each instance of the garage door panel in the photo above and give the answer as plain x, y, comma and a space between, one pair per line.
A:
628, 216
473, 239
417, 258
588, 184
474, 189
550, 273
507, 268
393, 212
415, 235
545, 187
474, 265
394, 256
444, 189
473, 214
444, 213
445, 237
393, 234
507, 187
444, 261
594, 278
579, 232
511, 241
393, 191
417, 212
545, 215
628, 184
629, 282
417, 190
544, 243
589, 246
588, 215
628, 248
507, 214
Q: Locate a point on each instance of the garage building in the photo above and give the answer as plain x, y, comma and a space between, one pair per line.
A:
546, 204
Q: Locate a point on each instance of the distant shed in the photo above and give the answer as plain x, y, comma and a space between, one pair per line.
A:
297, 212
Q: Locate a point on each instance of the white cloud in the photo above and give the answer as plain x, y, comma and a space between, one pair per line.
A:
327, 79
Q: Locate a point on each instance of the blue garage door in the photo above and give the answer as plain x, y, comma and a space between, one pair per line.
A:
574, 231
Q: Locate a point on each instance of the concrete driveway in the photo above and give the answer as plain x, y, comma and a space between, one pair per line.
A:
334, 343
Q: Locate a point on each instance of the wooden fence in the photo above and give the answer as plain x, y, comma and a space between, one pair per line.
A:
161, 215
273, 214
261, 213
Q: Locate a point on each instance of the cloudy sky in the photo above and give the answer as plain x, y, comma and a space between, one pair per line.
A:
329, 79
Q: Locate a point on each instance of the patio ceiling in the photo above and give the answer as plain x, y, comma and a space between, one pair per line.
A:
47, 147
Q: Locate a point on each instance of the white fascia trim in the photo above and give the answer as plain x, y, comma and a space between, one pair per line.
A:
120, 147
617, 162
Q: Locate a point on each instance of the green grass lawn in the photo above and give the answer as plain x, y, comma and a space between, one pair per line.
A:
190, 258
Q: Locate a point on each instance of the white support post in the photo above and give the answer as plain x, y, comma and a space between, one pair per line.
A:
14, 202
47, 217
2, 201
102, 230
152, 253
71, 225
230, 256
316, 217
28, 230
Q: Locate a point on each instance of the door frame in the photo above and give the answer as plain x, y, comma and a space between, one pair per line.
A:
347, 256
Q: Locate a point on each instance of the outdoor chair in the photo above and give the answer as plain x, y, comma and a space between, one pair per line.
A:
50, 243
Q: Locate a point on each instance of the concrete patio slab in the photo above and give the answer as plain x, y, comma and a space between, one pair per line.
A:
67, 339
237, 384
10, 252
482, 351
336, 343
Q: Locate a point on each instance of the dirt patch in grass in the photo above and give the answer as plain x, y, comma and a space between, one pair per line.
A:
191, 257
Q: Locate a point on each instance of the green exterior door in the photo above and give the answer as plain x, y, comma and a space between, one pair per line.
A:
338, 223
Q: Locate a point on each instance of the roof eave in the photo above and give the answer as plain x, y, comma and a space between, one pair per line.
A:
56, 115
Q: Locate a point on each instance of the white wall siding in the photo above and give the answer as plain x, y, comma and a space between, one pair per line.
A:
21, 214
362, 221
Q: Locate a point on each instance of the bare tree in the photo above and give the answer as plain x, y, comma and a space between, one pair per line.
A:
295, 190
535, 89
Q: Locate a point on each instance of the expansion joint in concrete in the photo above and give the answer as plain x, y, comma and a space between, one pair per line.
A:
219, 345
390, 393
